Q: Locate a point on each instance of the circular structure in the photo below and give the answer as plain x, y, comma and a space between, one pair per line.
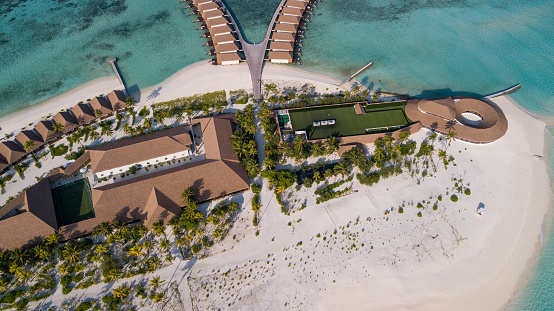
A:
472, 119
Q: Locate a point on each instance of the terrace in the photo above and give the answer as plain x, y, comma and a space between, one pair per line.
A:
346, 119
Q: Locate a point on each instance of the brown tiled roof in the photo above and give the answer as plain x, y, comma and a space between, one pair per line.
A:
207, 6
11, 151
212, 14
283, 36
67, 120
158, 207
280, 45
226, 48
292, 11
280, 55
102, 104
296, 4
45, 130
221, 30
83, 113
289, 19
227, 57
285, 28
34, 222
441, 107
216, 21
196, 2
493, 127
26, 135
156, 196
229, 37
140, 148
117, 100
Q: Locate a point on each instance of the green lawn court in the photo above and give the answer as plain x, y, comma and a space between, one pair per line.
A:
73, 202
378, 118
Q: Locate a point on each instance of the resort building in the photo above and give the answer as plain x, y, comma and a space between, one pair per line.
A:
10, 152
102, 104
473, 119
83, 114
67, 120
45, 130
149, 197
29, 135
140, 152
118, 100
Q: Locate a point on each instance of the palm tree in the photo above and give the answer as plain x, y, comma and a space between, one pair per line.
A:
158, 297
20, 256
378, 154
16, 269
342, 168
29, 145
432, 137
71, 253
403, 136
58, 127
42, 252
25, 276
331, 144
188, 195
121, 292
127, 129
356, 90
147, 245
317, 149
158, 228
101, 249
346, 94
106, 128
148, 123
76, 138
190, 210
105, 228
130, 101
136, 251
4, 285
205, 110
94, 135
155, 282
165, 244
443, 157
53, 239
98, 113
451, 136
113, 275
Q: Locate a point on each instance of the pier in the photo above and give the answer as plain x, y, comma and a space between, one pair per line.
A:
357, 73
504, 92
111, 61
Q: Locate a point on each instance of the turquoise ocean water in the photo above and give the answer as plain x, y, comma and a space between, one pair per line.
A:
419, 47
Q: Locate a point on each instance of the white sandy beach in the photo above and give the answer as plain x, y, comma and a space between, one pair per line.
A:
449, 259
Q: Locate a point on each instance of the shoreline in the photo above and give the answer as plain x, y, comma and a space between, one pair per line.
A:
201, 77
21, 118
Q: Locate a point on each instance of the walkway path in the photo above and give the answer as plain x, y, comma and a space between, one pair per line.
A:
255, 53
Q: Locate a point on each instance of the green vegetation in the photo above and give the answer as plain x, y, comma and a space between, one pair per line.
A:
269, 126
327, 193
243, 142
378, 118
187, 105
20, 169
454, 198
58, 151
467, 191
3, 180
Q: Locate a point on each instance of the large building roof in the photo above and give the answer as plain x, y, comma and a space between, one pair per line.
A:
289, 19
441, 107
493, 126
157, 196
140, 148
280, 27
29, 218
283, 36
224, 38
281, 46
45, 130
226, 48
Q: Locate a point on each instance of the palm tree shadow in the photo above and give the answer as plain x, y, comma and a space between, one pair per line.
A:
155, 93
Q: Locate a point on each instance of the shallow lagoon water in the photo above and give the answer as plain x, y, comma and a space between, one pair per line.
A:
420, 47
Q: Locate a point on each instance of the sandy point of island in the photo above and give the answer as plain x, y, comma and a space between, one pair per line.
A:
483, 274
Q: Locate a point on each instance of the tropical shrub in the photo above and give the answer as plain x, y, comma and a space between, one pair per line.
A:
454, 198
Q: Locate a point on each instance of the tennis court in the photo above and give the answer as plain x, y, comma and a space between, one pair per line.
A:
378, 118
73, 202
